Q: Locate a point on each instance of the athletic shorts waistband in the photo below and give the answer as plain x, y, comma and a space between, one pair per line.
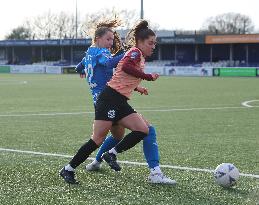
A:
115, 93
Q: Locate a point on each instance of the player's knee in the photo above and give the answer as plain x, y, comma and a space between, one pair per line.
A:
144, 129
118, 132
98, 140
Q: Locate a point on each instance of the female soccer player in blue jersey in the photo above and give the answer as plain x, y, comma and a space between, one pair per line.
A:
98, 66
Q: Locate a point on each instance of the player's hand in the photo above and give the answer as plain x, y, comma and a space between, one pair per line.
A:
82, 75
142, 90
155, 76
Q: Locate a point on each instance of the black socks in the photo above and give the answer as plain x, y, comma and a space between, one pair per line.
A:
83, 153
129, 141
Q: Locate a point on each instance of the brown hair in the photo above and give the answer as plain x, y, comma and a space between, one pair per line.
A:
107, 26
103, 27
141, 31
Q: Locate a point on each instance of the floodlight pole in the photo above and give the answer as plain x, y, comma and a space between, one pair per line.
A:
141, 10
76, 20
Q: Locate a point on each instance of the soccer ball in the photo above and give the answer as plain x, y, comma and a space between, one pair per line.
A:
226, 175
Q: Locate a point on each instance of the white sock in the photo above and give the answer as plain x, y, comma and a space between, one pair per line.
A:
96, 162
69, 168
113, 151
156, 170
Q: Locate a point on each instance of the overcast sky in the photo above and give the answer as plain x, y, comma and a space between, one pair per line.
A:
168, 14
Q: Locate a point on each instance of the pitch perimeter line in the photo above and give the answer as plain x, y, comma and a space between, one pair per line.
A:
147, 110
122, 162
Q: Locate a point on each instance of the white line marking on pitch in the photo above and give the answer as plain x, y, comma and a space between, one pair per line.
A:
246, 103
123, 162
12, 82
45, 114
151, 110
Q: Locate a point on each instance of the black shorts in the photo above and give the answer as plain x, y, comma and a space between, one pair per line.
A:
112, 106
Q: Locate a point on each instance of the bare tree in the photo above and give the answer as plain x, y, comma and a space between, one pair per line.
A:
128, 18
52, 26
232, 23
62, 25
42, 26
19, 33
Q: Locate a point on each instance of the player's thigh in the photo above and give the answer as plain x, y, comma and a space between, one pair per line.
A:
134, 123
118, 131
100, 130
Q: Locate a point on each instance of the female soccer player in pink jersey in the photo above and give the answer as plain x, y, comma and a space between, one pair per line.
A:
112, 106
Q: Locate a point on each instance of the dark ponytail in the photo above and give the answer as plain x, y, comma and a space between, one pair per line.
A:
141, 31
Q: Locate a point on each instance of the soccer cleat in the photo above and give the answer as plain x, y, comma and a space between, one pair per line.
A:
159, 178
68, 176
111, 159
93, 166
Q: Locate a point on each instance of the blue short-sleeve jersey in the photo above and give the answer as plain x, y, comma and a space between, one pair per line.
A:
98, 66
